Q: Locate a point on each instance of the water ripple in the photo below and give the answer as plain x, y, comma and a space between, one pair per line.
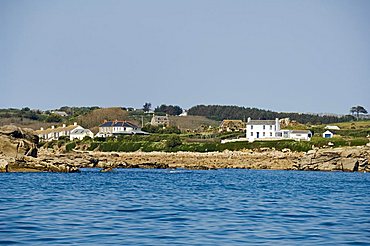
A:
177, 207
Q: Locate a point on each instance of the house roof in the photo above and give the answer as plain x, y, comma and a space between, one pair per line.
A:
326, 132
261, 122
300, 131
57, 129
332, 127
117, 123
80, 131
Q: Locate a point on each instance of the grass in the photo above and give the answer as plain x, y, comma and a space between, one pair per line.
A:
147, 146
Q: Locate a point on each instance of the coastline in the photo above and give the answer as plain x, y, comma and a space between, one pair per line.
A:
19, 153
332, 159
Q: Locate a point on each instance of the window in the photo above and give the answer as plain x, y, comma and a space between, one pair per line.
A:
251, 134
271, 127
264, 127
264, 134
270, 134
251, 127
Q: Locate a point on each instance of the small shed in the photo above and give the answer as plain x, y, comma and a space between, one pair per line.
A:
327, 134
332, 127
301, 135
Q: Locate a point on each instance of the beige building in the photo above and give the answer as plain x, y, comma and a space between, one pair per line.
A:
160, 120
232, 126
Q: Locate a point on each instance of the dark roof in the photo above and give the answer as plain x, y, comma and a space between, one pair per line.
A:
118, 124
261, 122
80, 131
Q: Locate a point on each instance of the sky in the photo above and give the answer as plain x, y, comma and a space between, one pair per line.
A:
287, 55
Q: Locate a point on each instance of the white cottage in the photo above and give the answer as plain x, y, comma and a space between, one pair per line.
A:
54, 133
114, 128
80, 134
270, 130
262, 129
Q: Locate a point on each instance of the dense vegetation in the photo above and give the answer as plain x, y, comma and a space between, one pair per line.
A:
168, 109
174, 143
219, 112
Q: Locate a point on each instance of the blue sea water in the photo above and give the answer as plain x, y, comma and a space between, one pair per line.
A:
184, 207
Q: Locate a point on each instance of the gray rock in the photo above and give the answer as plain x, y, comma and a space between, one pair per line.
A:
349, 164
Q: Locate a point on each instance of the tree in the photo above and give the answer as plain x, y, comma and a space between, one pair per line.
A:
147, 106
54, 118
358, 110
26, 109
168, 109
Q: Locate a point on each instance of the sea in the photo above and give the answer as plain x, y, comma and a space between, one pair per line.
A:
185, 207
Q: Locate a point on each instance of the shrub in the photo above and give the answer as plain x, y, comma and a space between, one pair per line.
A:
173, 141
70, 146
93, 146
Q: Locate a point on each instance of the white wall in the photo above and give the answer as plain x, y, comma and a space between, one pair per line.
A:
299, 136
264, 131
80, 136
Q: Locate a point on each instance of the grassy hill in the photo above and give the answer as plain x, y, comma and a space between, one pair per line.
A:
94, 118
192, 122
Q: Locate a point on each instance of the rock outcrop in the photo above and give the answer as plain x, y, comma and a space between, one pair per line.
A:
15, 145
347, 159
19, 153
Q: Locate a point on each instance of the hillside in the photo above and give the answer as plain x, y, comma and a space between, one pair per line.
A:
94, 118
221, 112
192, 122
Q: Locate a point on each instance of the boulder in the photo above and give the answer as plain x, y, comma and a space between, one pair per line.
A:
3, 165
17, 143
349, 164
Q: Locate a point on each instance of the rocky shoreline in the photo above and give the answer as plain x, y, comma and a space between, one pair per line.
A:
18, 153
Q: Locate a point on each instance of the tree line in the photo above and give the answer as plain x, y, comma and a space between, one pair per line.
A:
221, 112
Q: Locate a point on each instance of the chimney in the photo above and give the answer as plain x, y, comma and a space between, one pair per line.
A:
52, 127
277, 124
64, 125
249, 119
75, 123
41, 128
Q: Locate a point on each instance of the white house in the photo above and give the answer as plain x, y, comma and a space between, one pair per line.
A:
184, 113
300, 135
262, 129
270, 130
54, 133
80, 134
327, 134
111, 128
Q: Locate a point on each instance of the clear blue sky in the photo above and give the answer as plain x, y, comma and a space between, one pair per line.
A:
303, 56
